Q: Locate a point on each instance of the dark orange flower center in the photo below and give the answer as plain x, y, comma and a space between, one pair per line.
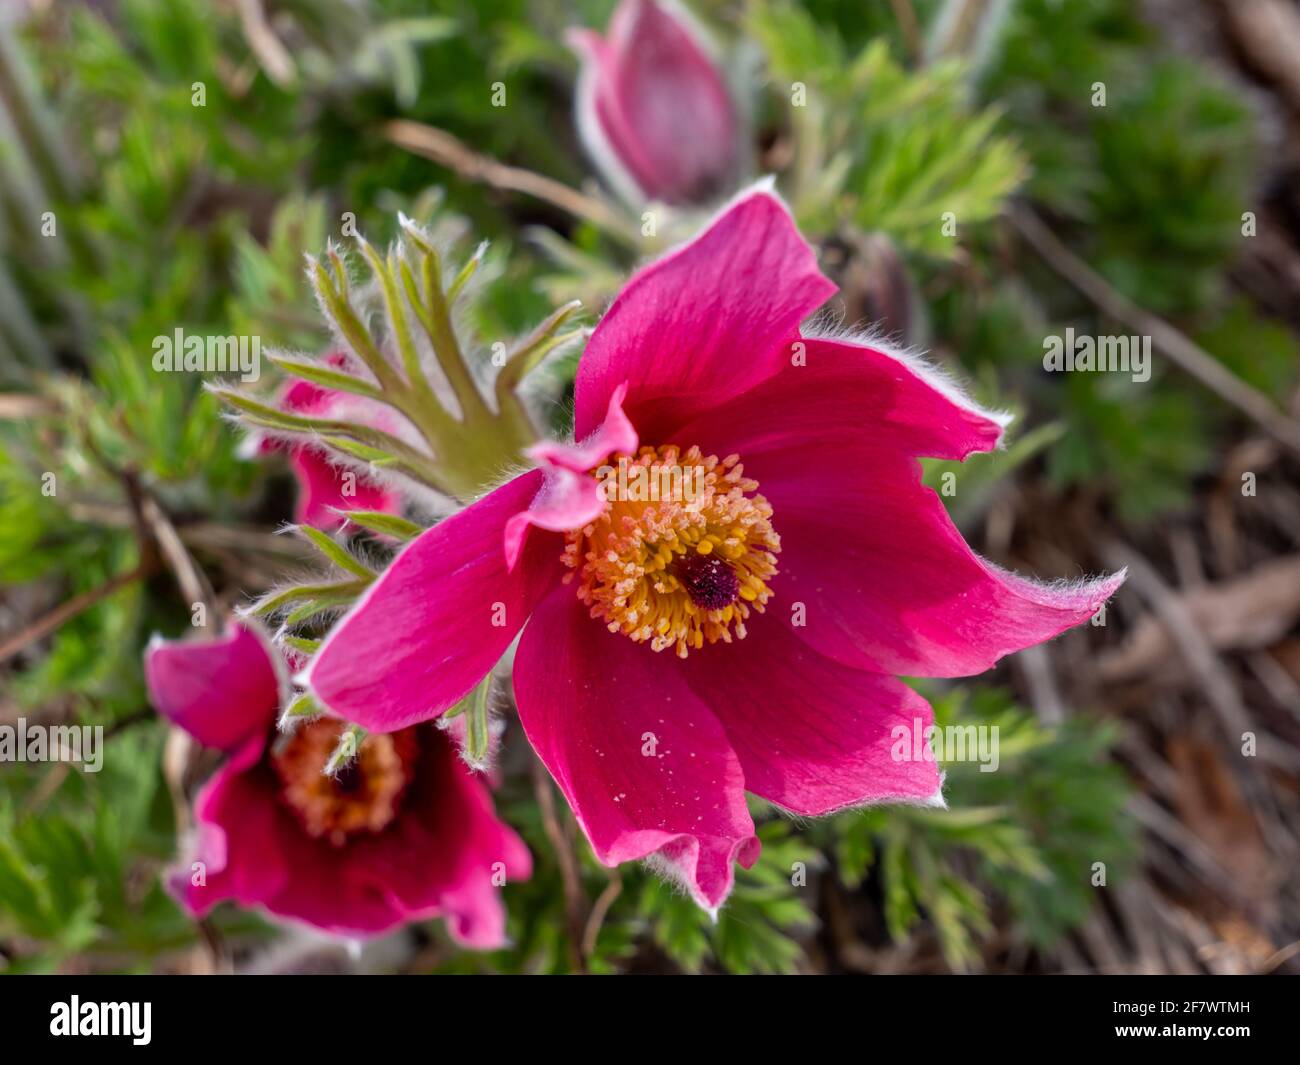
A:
682, 553
364, 796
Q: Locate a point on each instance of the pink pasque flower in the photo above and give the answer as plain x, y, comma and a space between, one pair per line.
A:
406, 832
325, 487
653, 109
807, 569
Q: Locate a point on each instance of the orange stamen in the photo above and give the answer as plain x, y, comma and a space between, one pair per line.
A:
680, 571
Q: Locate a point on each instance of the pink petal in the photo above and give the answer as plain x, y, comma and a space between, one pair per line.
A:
438, 619
221, 691
886, 580
615, 434
305, 397
324, 489
442, 859
653, 108
643, 763
706, 323
570, 497
841, 392
812, 735
238, 815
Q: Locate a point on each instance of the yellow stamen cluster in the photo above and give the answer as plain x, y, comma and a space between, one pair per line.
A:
364, 796
680, 571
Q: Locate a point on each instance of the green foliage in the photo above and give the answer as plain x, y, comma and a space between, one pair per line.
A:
1149, 189
27, 544
753, 932
759, 930
1144, 445
80, 866
882, 147
1259, 350
1033, 828
1176, 158
925, 156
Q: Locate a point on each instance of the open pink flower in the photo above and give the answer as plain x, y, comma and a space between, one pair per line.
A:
653, 109
782, 597
406, 832
324, 487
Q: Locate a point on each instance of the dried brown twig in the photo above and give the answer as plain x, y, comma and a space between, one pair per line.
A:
570, 878
66, 611
1183, 352
449, 151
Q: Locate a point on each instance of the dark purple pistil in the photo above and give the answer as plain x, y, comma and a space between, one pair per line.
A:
348, 779
709, 581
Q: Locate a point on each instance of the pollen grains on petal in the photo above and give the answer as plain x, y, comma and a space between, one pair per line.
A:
683, 552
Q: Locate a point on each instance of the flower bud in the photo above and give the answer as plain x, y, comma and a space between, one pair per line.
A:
653, 108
